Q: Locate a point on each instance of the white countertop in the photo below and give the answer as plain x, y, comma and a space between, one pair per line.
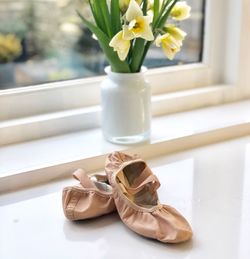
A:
210, 186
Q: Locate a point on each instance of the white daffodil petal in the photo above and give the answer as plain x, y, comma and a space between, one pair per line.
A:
170, 51
176, 32
120, 45
133, 11
115, 40
147, 32
176, 35
123, 53
172, 41
159, 39
179, 34
150, 14
148, 19
132, 24
170, 55
127, 33
158, 42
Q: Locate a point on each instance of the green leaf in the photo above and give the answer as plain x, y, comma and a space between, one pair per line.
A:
156, 10
106, 17
166, 15
116, 64
96, 11
144, 7
115, 16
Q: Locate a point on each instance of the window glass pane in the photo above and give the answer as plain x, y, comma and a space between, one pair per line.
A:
55, 45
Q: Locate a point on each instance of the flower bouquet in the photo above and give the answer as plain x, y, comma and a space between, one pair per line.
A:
126, 29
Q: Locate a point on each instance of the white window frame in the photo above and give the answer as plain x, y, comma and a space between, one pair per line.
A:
44, 110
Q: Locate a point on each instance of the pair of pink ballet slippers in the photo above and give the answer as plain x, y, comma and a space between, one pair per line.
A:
129, 187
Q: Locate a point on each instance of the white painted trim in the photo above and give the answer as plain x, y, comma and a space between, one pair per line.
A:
67, 95
243, 79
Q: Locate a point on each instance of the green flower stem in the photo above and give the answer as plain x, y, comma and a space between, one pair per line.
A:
130, 51
158, 26
115, 16
163, 20
162, 9
136, 55
145, 51
144, 7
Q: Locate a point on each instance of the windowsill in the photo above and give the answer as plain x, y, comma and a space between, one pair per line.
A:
52, 158
62, 122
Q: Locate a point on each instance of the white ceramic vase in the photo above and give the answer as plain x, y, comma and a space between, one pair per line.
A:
126, 107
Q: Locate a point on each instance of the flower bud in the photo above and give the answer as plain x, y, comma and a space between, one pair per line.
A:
125, 3
180, 11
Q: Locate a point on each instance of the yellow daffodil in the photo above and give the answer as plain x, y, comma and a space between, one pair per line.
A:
181, 11
178, 34
120, 45
138, 25
169, 45
125, 3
